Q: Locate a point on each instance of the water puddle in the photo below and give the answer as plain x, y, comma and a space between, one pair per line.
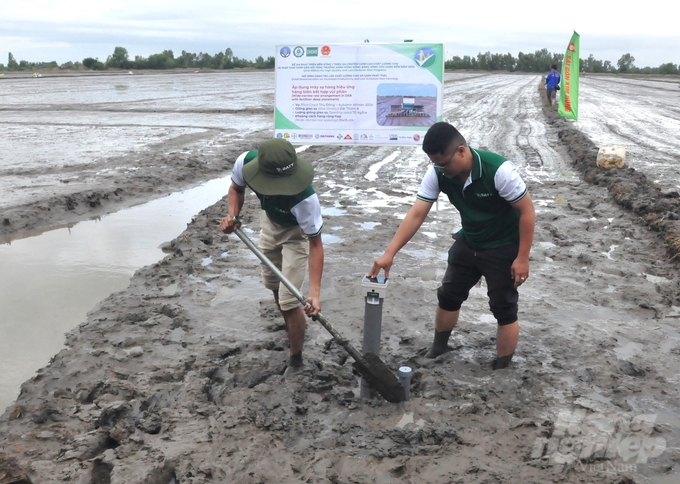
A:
628, 350
367, 225
655, 279
672, 341
49, 282
330, 239
333, 211
373, 170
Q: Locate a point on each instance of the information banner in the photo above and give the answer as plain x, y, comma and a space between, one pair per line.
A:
372, 94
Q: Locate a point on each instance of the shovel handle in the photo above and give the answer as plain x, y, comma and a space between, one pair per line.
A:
251, 245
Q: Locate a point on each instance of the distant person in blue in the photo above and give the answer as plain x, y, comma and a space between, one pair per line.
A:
552, 84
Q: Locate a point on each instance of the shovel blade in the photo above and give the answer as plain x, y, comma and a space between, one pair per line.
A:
380, 377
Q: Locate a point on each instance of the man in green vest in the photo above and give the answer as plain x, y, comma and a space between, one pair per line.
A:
498, 220
291, 226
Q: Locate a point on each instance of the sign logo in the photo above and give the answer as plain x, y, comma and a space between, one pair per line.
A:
571, 47
325, 50
284, 52
416, 137
424, 57
394, 137
347, 137
286, 135
279, 135
312, 51
298, 51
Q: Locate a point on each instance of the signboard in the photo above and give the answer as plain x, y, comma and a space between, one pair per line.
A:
366, 94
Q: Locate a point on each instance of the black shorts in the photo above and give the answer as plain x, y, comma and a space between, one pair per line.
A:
466, 266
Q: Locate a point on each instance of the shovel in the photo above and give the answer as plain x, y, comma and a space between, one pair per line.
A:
370, 366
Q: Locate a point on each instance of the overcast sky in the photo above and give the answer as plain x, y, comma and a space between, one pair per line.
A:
70, 30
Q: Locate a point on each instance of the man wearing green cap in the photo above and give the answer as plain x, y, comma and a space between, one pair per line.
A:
291, 227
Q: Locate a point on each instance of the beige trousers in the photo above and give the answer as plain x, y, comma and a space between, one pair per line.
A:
288, 249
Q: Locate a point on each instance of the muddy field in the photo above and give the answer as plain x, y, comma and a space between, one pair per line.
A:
180, 378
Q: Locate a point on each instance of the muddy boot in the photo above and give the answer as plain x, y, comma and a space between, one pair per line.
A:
502, 362
440, 344
296, 368
295, 361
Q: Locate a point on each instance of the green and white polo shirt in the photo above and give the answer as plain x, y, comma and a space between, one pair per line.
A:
483, 200
302, 209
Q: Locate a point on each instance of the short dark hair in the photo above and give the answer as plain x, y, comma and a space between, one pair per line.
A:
554, 66
440, 137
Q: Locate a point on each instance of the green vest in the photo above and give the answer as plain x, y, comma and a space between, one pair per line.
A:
277, 207
488, 220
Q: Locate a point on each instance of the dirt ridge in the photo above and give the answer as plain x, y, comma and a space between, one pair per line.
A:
628, 187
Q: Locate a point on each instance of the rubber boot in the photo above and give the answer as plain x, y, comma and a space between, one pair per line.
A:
440, 344
502, 362
295, 361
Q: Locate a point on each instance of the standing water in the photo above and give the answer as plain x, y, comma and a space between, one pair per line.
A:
49, 282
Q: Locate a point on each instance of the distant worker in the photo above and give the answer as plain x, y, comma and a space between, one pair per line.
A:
552, 84
291, 226
498, 221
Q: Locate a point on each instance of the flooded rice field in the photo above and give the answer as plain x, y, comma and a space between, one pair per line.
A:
179, 376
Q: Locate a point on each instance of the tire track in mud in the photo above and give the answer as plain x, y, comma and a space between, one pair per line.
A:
500, 112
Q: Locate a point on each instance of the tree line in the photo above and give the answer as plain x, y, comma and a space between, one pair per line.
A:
120, 59
539, 61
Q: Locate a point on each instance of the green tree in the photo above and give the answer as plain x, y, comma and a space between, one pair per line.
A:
204, 60
161, 61
668, 68
626, 63
543, 60
118, 59
186, 59
88, 62
228, 61
526, 62
11, 62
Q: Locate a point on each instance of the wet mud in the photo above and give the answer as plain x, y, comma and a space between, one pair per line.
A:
182, 376
629, 187
93, 193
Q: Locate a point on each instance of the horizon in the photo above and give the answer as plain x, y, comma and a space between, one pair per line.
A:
72, 30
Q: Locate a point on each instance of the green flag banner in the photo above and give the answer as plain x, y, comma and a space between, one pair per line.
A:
568, 106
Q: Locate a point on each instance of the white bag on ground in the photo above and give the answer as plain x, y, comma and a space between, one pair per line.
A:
611, 157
